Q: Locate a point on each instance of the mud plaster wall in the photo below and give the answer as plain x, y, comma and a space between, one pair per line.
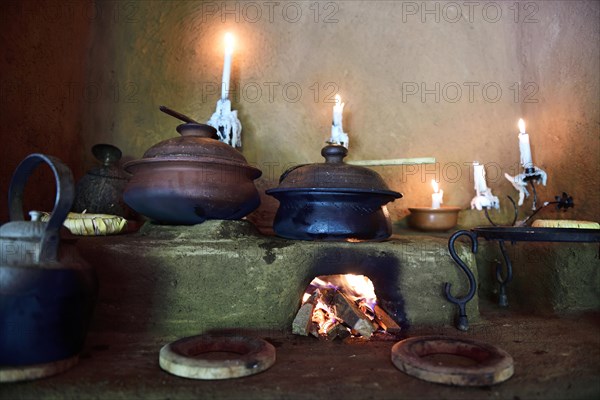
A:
44, 53
561, 54
469, 74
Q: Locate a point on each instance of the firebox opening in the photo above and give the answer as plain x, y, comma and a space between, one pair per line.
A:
342, 306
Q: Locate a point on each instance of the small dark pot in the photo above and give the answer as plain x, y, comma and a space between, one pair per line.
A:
334, 214
100, 191
332, 201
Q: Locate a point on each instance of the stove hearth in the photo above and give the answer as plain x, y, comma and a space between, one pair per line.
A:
183, 280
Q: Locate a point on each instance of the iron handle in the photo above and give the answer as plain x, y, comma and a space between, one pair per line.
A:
65, 192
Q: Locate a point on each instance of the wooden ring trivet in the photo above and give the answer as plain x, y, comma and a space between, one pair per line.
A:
186, 357
36, 371
493, 365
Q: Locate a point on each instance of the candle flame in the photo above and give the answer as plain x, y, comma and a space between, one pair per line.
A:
521, 125
338, 99
229, 39
436, 187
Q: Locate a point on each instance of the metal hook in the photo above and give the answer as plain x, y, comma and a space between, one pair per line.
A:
462, 321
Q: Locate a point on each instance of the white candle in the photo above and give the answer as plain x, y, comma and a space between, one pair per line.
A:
524, 147
479, 176
338, 136
437, 196
227, 65
338, 110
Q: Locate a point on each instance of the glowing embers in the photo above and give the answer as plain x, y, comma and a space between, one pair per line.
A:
339, 306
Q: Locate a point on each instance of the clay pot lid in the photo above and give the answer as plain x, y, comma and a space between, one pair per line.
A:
334, 175
197, 143
491, 365
190, 357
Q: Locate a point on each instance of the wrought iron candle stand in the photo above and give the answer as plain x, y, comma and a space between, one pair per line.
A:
530, 175
513, 234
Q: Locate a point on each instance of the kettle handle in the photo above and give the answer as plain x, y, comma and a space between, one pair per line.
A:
65, 192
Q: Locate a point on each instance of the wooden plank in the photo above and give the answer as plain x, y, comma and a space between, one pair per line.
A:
386, 321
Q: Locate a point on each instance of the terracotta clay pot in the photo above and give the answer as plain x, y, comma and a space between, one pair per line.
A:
433, 219
192, 178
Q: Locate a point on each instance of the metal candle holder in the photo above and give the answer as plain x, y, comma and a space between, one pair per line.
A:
530, 175
563, 202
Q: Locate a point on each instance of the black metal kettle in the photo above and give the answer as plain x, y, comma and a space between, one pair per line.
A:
46, 295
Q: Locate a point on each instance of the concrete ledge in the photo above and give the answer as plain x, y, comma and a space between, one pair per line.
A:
547, 277
224, 274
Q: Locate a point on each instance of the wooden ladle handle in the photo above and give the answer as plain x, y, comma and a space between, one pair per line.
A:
178, 115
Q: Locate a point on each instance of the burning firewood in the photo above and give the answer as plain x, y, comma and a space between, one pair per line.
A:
326, 295
314, 329
331, 330
352, 316
340, 305
385, 321
338, 330
303, 320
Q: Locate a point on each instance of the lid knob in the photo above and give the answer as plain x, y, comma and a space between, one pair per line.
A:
334, 153
107, 154
35, 215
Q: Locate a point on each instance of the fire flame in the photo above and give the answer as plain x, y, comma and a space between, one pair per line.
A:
521, 125
229, 43
358, 288
324, 316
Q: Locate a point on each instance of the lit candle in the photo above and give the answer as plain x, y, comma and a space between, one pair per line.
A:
227, 65
437, 196
338, 136
479, 176
524, 147
338, 110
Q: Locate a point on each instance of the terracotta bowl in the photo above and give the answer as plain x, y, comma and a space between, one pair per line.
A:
433, 219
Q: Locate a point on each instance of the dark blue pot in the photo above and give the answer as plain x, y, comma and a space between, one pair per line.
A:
332, 214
